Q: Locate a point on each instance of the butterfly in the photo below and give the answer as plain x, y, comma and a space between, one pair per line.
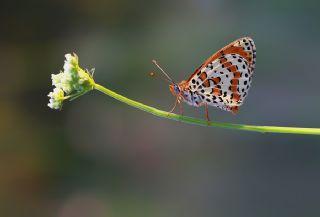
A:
222, 81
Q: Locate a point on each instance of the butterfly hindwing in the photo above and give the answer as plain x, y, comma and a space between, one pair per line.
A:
224, 79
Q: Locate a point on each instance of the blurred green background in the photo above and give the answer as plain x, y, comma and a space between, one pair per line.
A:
98, 157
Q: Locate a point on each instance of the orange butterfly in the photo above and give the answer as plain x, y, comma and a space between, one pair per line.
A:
223, 80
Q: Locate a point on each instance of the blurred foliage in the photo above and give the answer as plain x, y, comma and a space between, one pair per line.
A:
98, 157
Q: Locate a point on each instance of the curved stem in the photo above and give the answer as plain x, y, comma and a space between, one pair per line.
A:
190, 120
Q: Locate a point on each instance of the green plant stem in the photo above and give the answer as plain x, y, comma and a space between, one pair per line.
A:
190, 120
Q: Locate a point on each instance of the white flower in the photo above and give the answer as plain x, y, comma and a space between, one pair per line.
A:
73, 82
70, 64
56, 98
57, 79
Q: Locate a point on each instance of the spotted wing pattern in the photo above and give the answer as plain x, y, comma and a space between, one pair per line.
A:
224, 79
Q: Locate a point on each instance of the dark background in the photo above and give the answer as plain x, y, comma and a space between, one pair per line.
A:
98, 157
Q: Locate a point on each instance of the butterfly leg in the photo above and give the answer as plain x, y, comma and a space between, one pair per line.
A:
207, 113
174, 106
181, 109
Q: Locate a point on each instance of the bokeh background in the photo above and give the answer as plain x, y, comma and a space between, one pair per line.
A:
98, 157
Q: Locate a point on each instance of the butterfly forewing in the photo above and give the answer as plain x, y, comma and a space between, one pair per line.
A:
224, 79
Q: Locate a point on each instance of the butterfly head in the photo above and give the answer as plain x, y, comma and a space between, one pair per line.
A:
175, 89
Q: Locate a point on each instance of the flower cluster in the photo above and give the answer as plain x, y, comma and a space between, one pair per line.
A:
70, 83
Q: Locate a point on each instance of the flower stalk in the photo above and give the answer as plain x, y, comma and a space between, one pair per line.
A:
190, 120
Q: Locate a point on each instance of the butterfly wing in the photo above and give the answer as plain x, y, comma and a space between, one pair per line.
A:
224, 79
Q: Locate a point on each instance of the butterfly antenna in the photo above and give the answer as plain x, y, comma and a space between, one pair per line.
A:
167, 76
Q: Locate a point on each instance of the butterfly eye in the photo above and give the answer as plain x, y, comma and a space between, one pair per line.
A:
176, 88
